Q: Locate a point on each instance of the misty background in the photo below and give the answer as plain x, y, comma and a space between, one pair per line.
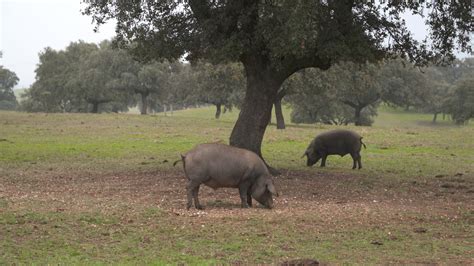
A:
27, 27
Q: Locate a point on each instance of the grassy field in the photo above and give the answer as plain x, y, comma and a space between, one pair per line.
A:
101, 189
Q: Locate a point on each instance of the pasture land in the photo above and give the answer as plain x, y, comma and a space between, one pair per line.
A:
101, 189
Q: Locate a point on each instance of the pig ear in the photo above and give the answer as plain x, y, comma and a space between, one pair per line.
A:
305, 154
272, 189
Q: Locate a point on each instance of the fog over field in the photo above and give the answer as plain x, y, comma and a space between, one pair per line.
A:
56, 23
219, 132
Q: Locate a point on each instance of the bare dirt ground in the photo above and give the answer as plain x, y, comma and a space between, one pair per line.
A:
339, 201
328, 194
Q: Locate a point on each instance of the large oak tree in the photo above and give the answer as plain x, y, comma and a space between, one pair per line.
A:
274, 39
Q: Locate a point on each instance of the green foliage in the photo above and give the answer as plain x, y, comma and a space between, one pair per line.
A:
150, 82
447, 90
274, 39
404, 84
84, 77
220, 85
461, 104
96, 82
55, 87
439, 93
222, 30
8, 80
346, 93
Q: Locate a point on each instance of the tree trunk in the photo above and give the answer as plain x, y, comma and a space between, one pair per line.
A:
95, 107
256, 110
171, 109
218, 110
164, 108
357, 116
144, 104
434, 117
280, 120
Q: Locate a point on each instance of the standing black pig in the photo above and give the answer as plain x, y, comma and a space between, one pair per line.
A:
219, 165
337, 141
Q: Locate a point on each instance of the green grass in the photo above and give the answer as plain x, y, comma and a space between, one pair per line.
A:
132, 141
406, 158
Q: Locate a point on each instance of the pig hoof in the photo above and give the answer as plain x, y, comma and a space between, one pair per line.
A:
200, 207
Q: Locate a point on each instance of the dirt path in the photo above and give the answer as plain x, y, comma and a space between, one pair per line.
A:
336, 197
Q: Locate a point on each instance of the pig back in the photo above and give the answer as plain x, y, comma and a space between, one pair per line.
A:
219, 165
339, 141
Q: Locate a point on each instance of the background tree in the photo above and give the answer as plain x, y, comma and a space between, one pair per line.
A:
438, 95
8, 80
280, 120
404, 84
219, 85
56, 76
316, 97
274, 39
461, 105
97, 83
146, 80
182, 82
357, 86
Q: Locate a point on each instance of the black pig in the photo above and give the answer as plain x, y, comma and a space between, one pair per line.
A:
332, 142
219, 165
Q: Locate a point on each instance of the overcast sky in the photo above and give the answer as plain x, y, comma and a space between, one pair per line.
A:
28, 26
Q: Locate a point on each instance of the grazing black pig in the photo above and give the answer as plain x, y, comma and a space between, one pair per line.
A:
337, 141
219, 165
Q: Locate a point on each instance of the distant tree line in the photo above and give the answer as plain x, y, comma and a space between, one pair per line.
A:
350, 93
8, 80
86, 77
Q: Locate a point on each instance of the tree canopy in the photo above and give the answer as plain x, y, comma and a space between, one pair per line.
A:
274, 39
221, 85
8, 80
346, 93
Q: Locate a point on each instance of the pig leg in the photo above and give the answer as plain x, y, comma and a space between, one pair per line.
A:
244, 195
359, 160
354, 160
196, 199
249, 198
192, 193
323, 160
